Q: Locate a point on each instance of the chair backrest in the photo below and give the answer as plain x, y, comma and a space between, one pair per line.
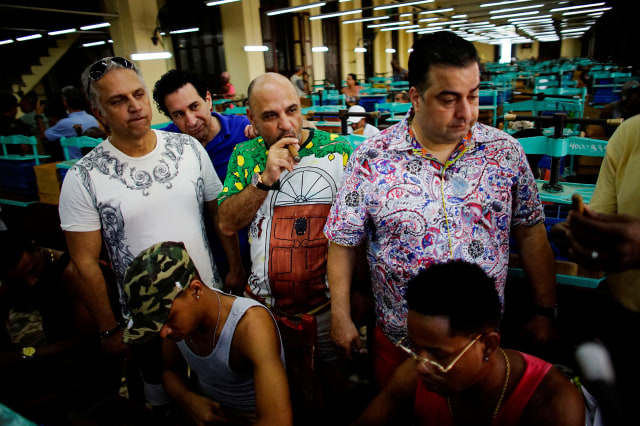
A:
235, 111
393, 107
77, 142
21, 140
488, 97
356, 140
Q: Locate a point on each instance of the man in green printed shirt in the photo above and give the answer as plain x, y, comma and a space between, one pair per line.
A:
286, 205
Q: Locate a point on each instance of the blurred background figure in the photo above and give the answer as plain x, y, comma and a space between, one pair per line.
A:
9, 125
31, 108
297, 78
226, 89
359, 125
352, 90
399, 73
402, 97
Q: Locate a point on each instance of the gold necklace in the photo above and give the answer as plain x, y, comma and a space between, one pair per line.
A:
215, 331
504, 389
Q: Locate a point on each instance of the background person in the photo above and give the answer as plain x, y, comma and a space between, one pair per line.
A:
359, 125
231, 344
298, 80
351, 91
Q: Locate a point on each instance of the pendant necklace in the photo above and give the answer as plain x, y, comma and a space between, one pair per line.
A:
215, 331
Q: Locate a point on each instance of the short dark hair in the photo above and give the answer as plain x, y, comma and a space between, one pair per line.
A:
460, 291
7, 102
354, 77
441, 48
172, 81
74, 97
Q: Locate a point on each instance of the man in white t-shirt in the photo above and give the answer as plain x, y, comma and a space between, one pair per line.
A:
137, 188
359, 125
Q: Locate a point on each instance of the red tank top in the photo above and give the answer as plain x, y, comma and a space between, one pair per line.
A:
432, 409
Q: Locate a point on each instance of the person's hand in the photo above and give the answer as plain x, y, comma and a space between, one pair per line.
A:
609, 242
235, 281
39, 107
345, 335
204, 411
279, 160
560, 237
113, 344
250, 132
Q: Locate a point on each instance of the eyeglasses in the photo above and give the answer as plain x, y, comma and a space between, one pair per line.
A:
402, 345
99, 68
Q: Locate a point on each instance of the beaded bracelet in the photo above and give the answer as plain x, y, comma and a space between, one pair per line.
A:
114, 330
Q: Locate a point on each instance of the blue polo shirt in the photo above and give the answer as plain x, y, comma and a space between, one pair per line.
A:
219, 149
67, 127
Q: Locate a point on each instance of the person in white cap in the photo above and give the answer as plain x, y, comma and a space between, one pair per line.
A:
359, 125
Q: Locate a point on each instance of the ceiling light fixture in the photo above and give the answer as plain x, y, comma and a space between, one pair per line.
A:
429, 12
375, 18
185, 30
409, 3
406, 27
95, 43
29, 37
428, 19
501, 3
219, 2
390, 50
333, 15
320, 49
577, 12
389, 24
359, 49
55, 33
150, 55
582, 6
296, 8
94, 26
513, 15
256, 48
515, 9
8, 41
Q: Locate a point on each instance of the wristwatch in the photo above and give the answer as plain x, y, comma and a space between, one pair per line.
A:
28, 352
547, 311
256, 181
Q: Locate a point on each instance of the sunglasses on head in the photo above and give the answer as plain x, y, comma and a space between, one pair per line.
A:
99, 68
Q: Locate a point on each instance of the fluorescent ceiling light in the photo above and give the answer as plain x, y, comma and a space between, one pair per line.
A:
95, 43
185, 30
406, 27
428, 19
55, 33
8, 41
428, 12
408, 3
459, 16
94, 26
406, 15
218, 2
390, 50
513, 15
296, 8
515, 9
360, 49
110, 41
150, 55
473, 24
333, 15
320, 49
375, 18
500, 3
29, 37
256, 48
582, 6
389, 24
602, 9
575, 30
538, 18
461, 21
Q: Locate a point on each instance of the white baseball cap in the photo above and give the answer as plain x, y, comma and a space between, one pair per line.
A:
355, 108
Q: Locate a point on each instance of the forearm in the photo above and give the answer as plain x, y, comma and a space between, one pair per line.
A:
340, 266
176, 388
538, 263
237, 211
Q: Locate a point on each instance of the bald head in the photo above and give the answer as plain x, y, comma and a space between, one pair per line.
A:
274, 107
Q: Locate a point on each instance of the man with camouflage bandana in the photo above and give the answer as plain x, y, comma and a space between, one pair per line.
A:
231, 343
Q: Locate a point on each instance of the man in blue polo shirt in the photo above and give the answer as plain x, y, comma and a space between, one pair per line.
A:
76, 123
184, 98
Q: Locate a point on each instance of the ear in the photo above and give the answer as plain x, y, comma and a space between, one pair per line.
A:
96, 112
491, 342
195, 289
414, 97
251, 117
209, 101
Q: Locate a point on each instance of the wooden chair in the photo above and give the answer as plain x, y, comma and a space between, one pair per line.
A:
77, 142
17, 177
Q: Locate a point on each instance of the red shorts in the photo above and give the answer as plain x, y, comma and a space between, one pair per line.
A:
386, 357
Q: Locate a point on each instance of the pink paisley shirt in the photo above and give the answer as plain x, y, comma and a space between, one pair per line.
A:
414, 211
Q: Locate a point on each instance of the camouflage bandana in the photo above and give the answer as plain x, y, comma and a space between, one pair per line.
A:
152, 281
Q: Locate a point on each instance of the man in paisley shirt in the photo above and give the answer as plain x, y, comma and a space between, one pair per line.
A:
137, 188
436, 187
285, 205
